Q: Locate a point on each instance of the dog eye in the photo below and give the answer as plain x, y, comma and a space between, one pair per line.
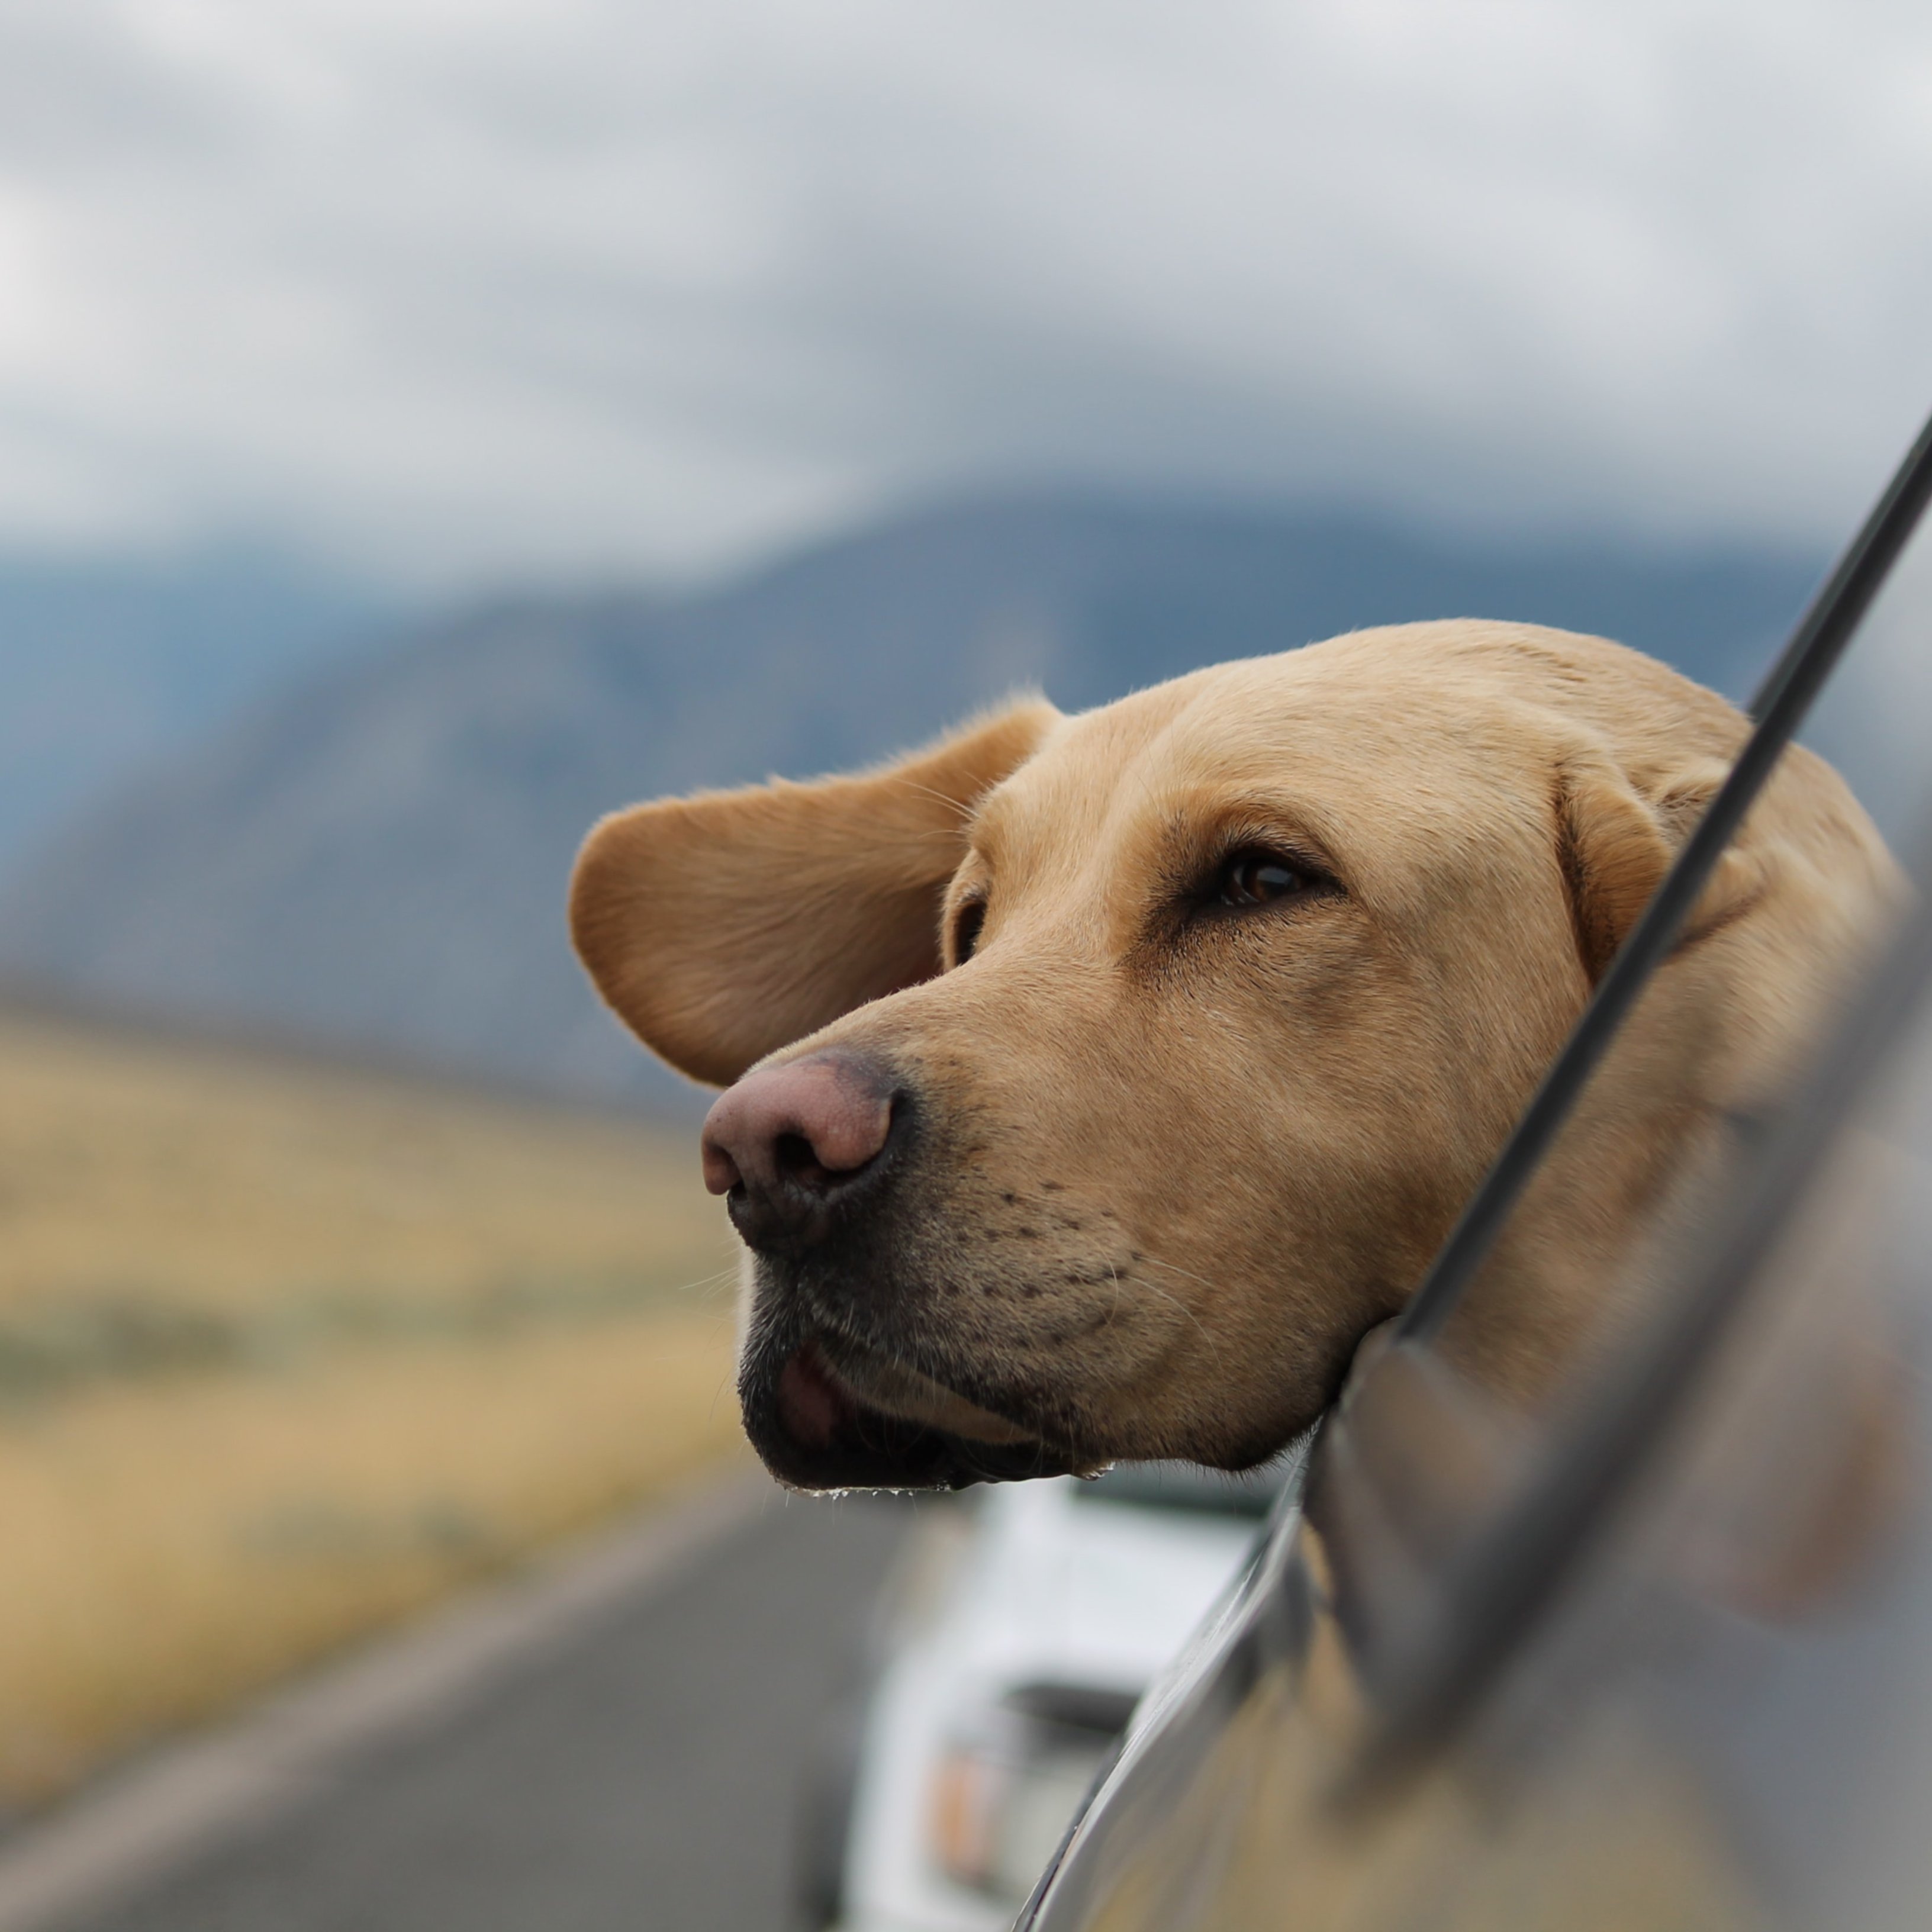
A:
966, 927
1260, 878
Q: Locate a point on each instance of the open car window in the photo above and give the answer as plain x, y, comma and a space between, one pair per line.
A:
1489, 1443
1571, 1261
1653, 1036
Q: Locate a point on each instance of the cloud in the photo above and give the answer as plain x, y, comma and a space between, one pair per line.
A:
514, 286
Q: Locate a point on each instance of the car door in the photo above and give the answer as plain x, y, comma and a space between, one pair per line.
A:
1643, 1645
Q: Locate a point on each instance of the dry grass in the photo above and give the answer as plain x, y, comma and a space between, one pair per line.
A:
284, 1351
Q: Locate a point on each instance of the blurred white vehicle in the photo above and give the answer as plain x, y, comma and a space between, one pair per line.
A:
1028, 1620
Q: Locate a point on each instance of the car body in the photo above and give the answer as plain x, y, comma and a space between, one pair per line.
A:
1650, 1653
1025, 1625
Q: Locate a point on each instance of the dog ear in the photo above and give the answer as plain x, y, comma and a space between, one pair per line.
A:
724, 925
1616, 837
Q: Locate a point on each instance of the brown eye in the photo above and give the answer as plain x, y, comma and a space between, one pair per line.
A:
1260, 878
966, 927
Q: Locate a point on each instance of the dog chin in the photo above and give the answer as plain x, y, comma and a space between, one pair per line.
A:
861, 1422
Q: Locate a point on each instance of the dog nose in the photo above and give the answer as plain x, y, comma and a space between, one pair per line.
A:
789, 1143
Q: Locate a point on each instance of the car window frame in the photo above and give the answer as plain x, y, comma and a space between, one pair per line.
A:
1520, 1560
1777, 710
1498, 1588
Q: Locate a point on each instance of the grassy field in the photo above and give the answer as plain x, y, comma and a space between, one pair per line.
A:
286, 1351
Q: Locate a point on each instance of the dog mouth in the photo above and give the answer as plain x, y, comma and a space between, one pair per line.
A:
825, 1416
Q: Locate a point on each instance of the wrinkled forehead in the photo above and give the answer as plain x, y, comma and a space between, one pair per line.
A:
1364, 761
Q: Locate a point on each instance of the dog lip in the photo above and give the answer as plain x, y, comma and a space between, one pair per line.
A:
814, 1431
811, 1403
908, 1394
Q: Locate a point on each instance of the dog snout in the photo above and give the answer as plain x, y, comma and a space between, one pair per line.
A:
789, 1146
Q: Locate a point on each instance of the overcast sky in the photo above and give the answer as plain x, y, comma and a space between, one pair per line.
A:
469, 289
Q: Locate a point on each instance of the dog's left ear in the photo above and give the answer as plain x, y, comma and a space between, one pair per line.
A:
1616, 837
725, 926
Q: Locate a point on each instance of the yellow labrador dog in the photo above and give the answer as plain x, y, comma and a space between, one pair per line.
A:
1095, 1083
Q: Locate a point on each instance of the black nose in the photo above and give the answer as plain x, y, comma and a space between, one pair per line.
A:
790, 1146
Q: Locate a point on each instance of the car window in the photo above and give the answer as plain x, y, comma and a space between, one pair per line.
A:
1662, 1047
1609, 1202
1367, 1634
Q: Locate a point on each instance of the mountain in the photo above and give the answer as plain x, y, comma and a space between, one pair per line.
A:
377, 859
109, 663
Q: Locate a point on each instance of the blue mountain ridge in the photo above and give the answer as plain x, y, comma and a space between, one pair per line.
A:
375, 859
107, 662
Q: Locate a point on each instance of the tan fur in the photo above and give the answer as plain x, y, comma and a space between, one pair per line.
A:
1174, 1162
725, 926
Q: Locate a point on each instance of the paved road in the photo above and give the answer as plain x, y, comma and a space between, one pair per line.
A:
645, 1781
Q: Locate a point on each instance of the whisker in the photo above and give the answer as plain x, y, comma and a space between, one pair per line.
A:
961, 807
1173, 1267
704, 1283
1181, 1307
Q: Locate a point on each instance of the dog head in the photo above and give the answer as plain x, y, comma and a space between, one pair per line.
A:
1100, 1080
